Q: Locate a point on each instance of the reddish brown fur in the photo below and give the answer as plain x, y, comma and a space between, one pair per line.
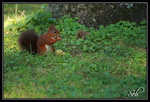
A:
27, 40
38, 42
47, 39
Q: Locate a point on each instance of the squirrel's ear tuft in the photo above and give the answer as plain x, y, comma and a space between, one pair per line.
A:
51, 26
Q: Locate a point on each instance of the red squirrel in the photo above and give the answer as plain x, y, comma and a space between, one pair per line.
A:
31, 42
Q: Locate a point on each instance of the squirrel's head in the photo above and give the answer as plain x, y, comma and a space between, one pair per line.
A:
54, 32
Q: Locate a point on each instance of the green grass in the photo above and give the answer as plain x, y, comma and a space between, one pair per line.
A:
93, 75
101, 73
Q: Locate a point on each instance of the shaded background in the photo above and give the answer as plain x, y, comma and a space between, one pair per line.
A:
94, 15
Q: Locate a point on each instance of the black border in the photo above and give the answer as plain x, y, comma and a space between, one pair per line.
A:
69, 98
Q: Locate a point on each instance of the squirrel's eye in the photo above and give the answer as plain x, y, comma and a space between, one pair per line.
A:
54, 32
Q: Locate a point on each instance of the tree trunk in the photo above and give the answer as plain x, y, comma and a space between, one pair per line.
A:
96, 14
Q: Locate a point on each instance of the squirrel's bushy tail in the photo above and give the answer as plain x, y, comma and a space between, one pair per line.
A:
27, 41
